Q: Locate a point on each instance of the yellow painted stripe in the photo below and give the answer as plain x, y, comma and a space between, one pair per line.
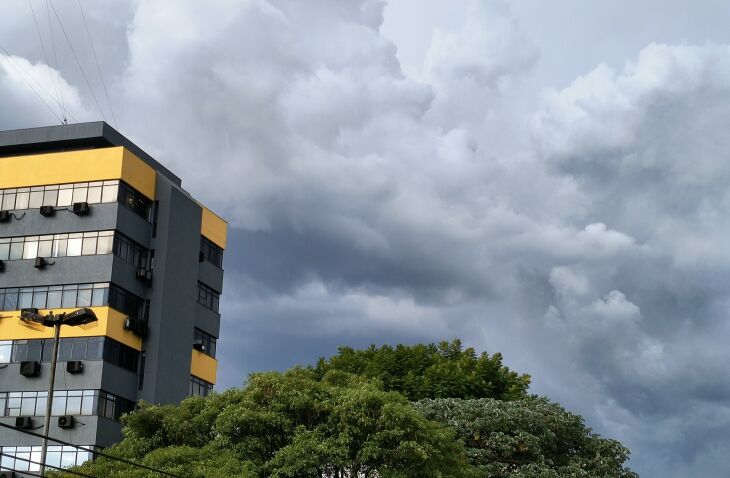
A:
110, 324
78, 166
203, 366
214, 227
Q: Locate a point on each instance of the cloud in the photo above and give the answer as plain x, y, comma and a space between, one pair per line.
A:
585, 240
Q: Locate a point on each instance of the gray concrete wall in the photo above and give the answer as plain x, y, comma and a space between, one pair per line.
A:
173, 296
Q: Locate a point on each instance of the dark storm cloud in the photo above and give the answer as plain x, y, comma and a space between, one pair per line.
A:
585, 240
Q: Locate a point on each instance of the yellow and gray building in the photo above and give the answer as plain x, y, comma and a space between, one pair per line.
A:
88, 219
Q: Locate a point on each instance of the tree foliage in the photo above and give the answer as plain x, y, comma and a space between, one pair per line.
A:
443, 370
528, 438
350, 417
288, 425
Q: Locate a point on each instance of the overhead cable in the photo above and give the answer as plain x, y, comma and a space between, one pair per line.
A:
91, 450
96, 60
24, 76
55, 58
81, 68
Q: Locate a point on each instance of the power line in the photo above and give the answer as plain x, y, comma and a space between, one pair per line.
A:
27, 76
43, 45
32, 462
83, 73
96, 60
90, 450
23, 76
55, 57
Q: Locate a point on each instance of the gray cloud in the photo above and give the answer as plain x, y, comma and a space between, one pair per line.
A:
584, 238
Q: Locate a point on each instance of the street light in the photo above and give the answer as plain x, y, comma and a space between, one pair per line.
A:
77, 317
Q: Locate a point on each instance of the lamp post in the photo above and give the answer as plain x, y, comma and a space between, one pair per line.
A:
77, 317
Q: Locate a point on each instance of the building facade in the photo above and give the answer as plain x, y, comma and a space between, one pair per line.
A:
88, 219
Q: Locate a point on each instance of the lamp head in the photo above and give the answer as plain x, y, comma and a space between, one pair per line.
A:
80, 317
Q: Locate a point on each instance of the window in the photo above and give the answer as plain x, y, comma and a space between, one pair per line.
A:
211, 252
65, 402
72, 348
207, 297
72, 245
56, 245
134, 201
207, 340
55, 296
64, 195
27, 458
6, 349
126, 302
129, 250
200, 387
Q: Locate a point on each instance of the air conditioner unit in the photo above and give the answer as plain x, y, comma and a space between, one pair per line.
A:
80, 208
47, 211
23, 422
75, 366
66, 421
4, 216
7, 474
30, 368
40, 263
199, 346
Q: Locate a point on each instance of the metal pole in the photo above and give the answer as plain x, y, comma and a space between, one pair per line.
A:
49, 403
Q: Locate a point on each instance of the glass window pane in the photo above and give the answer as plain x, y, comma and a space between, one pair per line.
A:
36, 199
94, 195
16, 251
45, 248
50, 198
59, 247
80, 194
104, 246
25, 298
8, 202
39, 299
54, 299
84, 298
21, 200
30, 250
65, 197
74, 247
99, 297
4, 251
89, 246
110, 193
69, 299
73, 406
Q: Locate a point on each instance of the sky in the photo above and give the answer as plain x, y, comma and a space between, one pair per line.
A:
542, 179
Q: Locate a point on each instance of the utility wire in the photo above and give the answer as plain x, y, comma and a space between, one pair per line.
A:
83, 73
23, 76
55, 57
43, 45
90, 450
27, 76
96, 60
32, 462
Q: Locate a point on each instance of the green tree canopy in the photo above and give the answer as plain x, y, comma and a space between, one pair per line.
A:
443, 370
529, 438
349, 417
285, 425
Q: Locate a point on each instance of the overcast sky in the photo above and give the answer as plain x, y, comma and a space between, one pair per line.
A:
544, 179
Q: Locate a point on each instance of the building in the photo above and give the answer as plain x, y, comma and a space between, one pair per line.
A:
88, 219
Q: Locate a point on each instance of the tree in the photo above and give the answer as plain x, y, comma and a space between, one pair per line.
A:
290, 424
528, 438
431, 371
